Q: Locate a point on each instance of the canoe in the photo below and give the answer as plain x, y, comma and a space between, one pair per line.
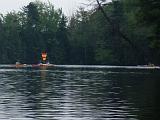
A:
20, 65
42, 65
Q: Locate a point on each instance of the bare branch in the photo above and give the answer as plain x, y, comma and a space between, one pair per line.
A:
124, 36
103, 12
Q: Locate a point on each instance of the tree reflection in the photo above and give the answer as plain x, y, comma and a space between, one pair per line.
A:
95, 94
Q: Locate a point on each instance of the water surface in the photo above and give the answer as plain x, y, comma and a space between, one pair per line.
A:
79, 93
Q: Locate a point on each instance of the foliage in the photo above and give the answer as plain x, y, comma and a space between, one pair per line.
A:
87, 38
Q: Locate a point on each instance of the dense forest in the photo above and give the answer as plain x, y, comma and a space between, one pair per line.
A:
121, 32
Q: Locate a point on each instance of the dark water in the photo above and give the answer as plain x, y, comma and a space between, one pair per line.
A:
79, 93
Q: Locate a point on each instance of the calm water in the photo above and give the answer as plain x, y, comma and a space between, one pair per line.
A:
79, 93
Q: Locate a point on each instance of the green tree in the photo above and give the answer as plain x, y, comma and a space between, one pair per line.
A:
149, 15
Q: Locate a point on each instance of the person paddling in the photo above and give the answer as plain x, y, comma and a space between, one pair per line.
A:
44, 57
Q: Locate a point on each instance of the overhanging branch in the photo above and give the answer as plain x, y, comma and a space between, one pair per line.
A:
122, 35
114, 24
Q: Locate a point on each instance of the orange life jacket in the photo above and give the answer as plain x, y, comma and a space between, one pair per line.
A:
44, 56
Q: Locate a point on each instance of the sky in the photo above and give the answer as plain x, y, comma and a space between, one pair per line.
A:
68, 6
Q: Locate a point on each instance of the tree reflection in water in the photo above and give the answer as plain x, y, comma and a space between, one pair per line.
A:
78, 94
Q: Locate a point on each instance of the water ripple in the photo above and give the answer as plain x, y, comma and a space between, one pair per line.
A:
74, 94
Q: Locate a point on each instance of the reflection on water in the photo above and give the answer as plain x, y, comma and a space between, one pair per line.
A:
62, 93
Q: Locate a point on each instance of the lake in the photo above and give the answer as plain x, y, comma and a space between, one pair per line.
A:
79, 93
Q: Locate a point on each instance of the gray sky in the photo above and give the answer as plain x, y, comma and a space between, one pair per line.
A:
68, 6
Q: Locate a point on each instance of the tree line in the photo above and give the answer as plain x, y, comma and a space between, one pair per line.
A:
131, 36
